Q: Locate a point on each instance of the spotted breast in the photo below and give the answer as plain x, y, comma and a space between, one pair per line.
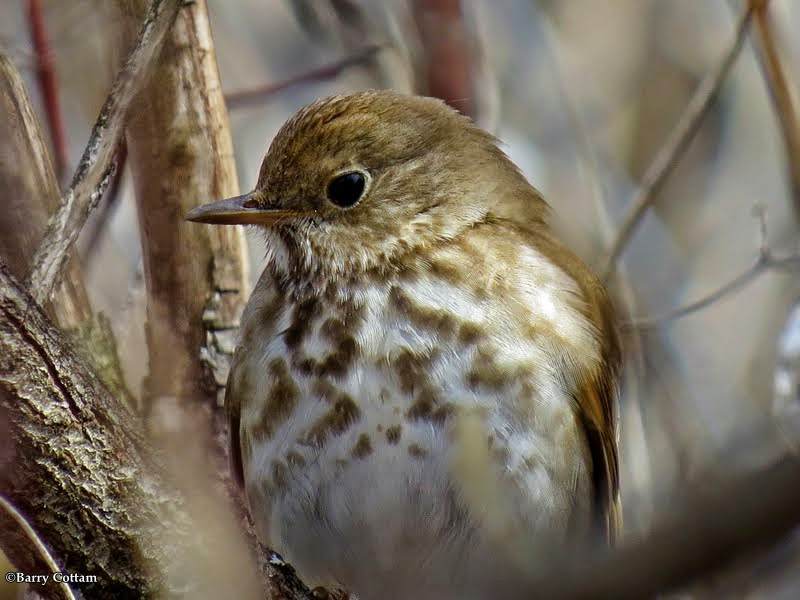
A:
406, 432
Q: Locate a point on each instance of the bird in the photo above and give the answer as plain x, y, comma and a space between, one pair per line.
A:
423, 400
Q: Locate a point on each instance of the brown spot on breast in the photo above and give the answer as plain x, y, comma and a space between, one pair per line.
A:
333, 329
363, 447
439, 320
417, 451
295, 459
280, 475
338, 363
325, 390
449, 271
379, 428
427, 407
469, 332
485, 372
302, 320
412, 369
281, 401
393, 434
344, 413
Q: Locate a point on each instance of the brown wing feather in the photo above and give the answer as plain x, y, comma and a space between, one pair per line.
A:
232, 407
597, 399
597, 390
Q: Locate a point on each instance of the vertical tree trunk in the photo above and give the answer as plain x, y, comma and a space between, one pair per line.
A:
181, 155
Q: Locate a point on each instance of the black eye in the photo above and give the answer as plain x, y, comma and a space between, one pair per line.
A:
346, 189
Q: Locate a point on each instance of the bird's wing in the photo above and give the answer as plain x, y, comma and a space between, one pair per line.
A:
233, 409
257, 327
596, 390
597, 400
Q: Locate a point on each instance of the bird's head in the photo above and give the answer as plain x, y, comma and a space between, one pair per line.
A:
354, 182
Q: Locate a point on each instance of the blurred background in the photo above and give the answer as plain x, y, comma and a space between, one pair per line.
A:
583, 94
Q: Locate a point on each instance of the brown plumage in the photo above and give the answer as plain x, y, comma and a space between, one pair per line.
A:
423, 400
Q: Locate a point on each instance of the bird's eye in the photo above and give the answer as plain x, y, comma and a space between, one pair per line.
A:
346, 189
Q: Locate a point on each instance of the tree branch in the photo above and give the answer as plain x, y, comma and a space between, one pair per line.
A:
96, 165
766, 261
676, 144
782, 98
447, 53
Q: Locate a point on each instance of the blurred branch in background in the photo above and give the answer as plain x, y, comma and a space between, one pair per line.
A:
258, 94
707, 530
446, 69
676, 144
48, 84
766, 261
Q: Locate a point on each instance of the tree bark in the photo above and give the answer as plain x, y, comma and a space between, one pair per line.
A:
75, 463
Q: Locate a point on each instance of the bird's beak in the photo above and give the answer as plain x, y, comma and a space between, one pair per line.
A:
241, 210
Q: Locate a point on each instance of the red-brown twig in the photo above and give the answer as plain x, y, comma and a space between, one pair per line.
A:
677, 143
48, 84
782, 97
258, 94
447, 53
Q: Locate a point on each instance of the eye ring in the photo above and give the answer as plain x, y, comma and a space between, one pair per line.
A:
347, 188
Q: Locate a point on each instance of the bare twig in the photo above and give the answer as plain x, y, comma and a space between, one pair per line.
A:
48, 83
783, 98
766, 261
96, 166
110, 199
677, 143
257, 95
36, 542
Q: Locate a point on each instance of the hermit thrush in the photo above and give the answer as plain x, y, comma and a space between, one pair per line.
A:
422, 402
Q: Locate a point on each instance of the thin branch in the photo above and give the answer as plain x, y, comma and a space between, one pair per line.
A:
96, 167
36, 542
48, 84
257, 95
782, 98
110, 199
678, 141
766, 261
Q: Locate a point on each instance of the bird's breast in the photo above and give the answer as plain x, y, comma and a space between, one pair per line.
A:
432, 402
